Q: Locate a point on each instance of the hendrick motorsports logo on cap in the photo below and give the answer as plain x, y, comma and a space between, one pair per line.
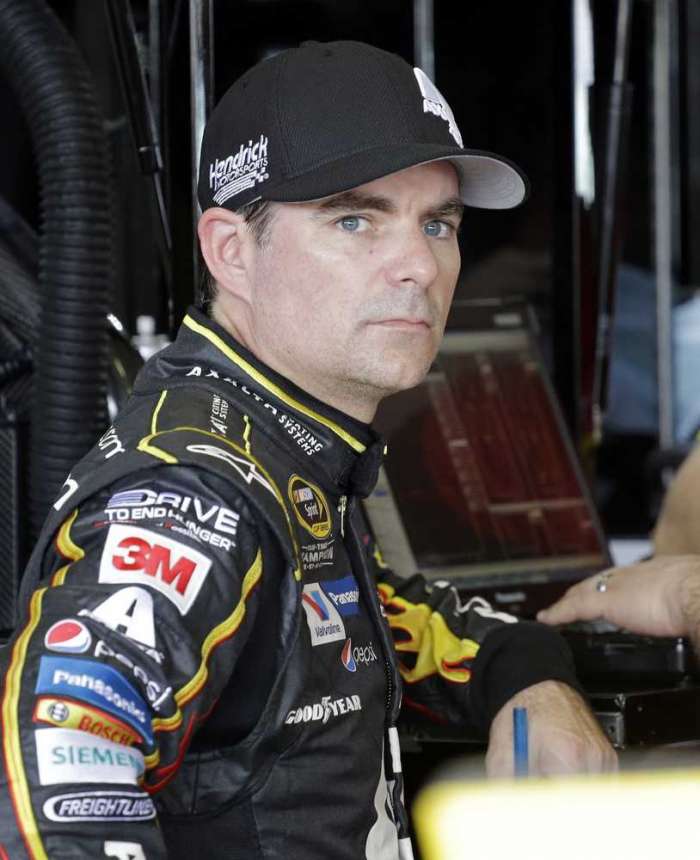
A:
235, 173
310, 506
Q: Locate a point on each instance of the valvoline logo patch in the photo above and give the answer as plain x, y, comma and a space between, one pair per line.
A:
344, 594
314, 599
323, 619
68, 637
346, 657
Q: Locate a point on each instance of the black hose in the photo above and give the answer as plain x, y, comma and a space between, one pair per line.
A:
53, 89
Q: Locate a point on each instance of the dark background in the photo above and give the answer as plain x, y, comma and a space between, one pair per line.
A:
506, 70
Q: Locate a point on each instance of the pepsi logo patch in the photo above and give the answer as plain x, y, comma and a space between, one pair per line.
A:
346, 657
68, 637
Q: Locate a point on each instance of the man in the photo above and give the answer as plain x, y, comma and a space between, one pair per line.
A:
207, 625
657, 597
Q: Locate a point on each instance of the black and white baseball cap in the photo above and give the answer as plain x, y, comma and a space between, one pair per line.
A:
323, 118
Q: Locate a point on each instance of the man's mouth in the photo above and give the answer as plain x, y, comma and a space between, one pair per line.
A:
408, 323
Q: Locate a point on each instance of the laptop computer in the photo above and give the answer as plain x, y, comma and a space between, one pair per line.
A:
481, 484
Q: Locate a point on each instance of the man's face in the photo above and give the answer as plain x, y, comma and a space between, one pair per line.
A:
350, 294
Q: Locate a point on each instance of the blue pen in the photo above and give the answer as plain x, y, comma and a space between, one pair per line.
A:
520, 753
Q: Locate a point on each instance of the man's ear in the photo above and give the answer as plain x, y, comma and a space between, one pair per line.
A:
226, 247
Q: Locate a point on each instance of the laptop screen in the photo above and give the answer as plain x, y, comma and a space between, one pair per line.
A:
480, 483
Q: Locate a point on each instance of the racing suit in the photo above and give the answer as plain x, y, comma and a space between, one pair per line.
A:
211, 656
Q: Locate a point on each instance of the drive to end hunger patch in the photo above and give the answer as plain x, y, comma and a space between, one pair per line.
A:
310, 507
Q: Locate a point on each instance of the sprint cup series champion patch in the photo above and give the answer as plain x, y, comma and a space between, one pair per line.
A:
310, 507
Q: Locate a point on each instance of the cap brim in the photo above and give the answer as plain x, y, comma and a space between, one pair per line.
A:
486, 180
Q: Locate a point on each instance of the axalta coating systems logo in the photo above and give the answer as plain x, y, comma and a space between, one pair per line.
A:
310, 507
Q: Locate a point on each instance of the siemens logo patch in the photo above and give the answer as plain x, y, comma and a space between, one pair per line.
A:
98, 685
69, 755
100, 806
344, 593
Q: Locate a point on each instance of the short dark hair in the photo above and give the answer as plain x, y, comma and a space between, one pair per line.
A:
257, 216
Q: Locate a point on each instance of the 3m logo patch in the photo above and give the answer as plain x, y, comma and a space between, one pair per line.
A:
325, 623
68, 637
136, 555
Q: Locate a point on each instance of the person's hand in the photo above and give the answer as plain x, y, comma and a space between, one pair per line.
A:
563, 734
659, 597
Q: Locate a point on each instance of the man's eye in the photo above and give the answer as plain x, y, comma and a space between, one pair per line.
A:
352, 223
438, 229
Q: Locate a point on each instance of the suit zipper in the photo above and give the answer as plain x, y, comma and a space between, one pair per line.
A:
342, 507
372, 600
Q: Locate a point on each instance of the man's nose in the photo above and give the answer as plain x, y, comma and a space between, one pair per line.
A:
411, 260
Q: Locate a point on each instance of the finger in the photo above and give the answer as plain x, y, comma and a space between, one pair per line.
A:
499, 765
581, 603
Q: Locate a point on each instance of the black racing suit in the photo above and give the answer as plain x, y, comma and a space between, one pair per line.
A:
204, 667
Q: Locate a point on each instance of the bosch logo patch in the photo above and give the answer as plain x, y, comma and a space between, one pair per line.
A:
68, 637
137, 555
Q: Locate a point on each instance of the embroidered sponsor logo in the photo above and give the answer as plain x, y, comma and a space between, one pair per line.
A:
100, 806
304, 438
129, 611
247, 470
434, 102
310, 507
344, 593
72, 715
237, 172
68, 637
323, 619
124, 850
70, 486
68, 755
110, 443
212, 524
156, 693
132, 554
301, 434
317, 555
219, 414
321, 712
95, 684
352, 657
